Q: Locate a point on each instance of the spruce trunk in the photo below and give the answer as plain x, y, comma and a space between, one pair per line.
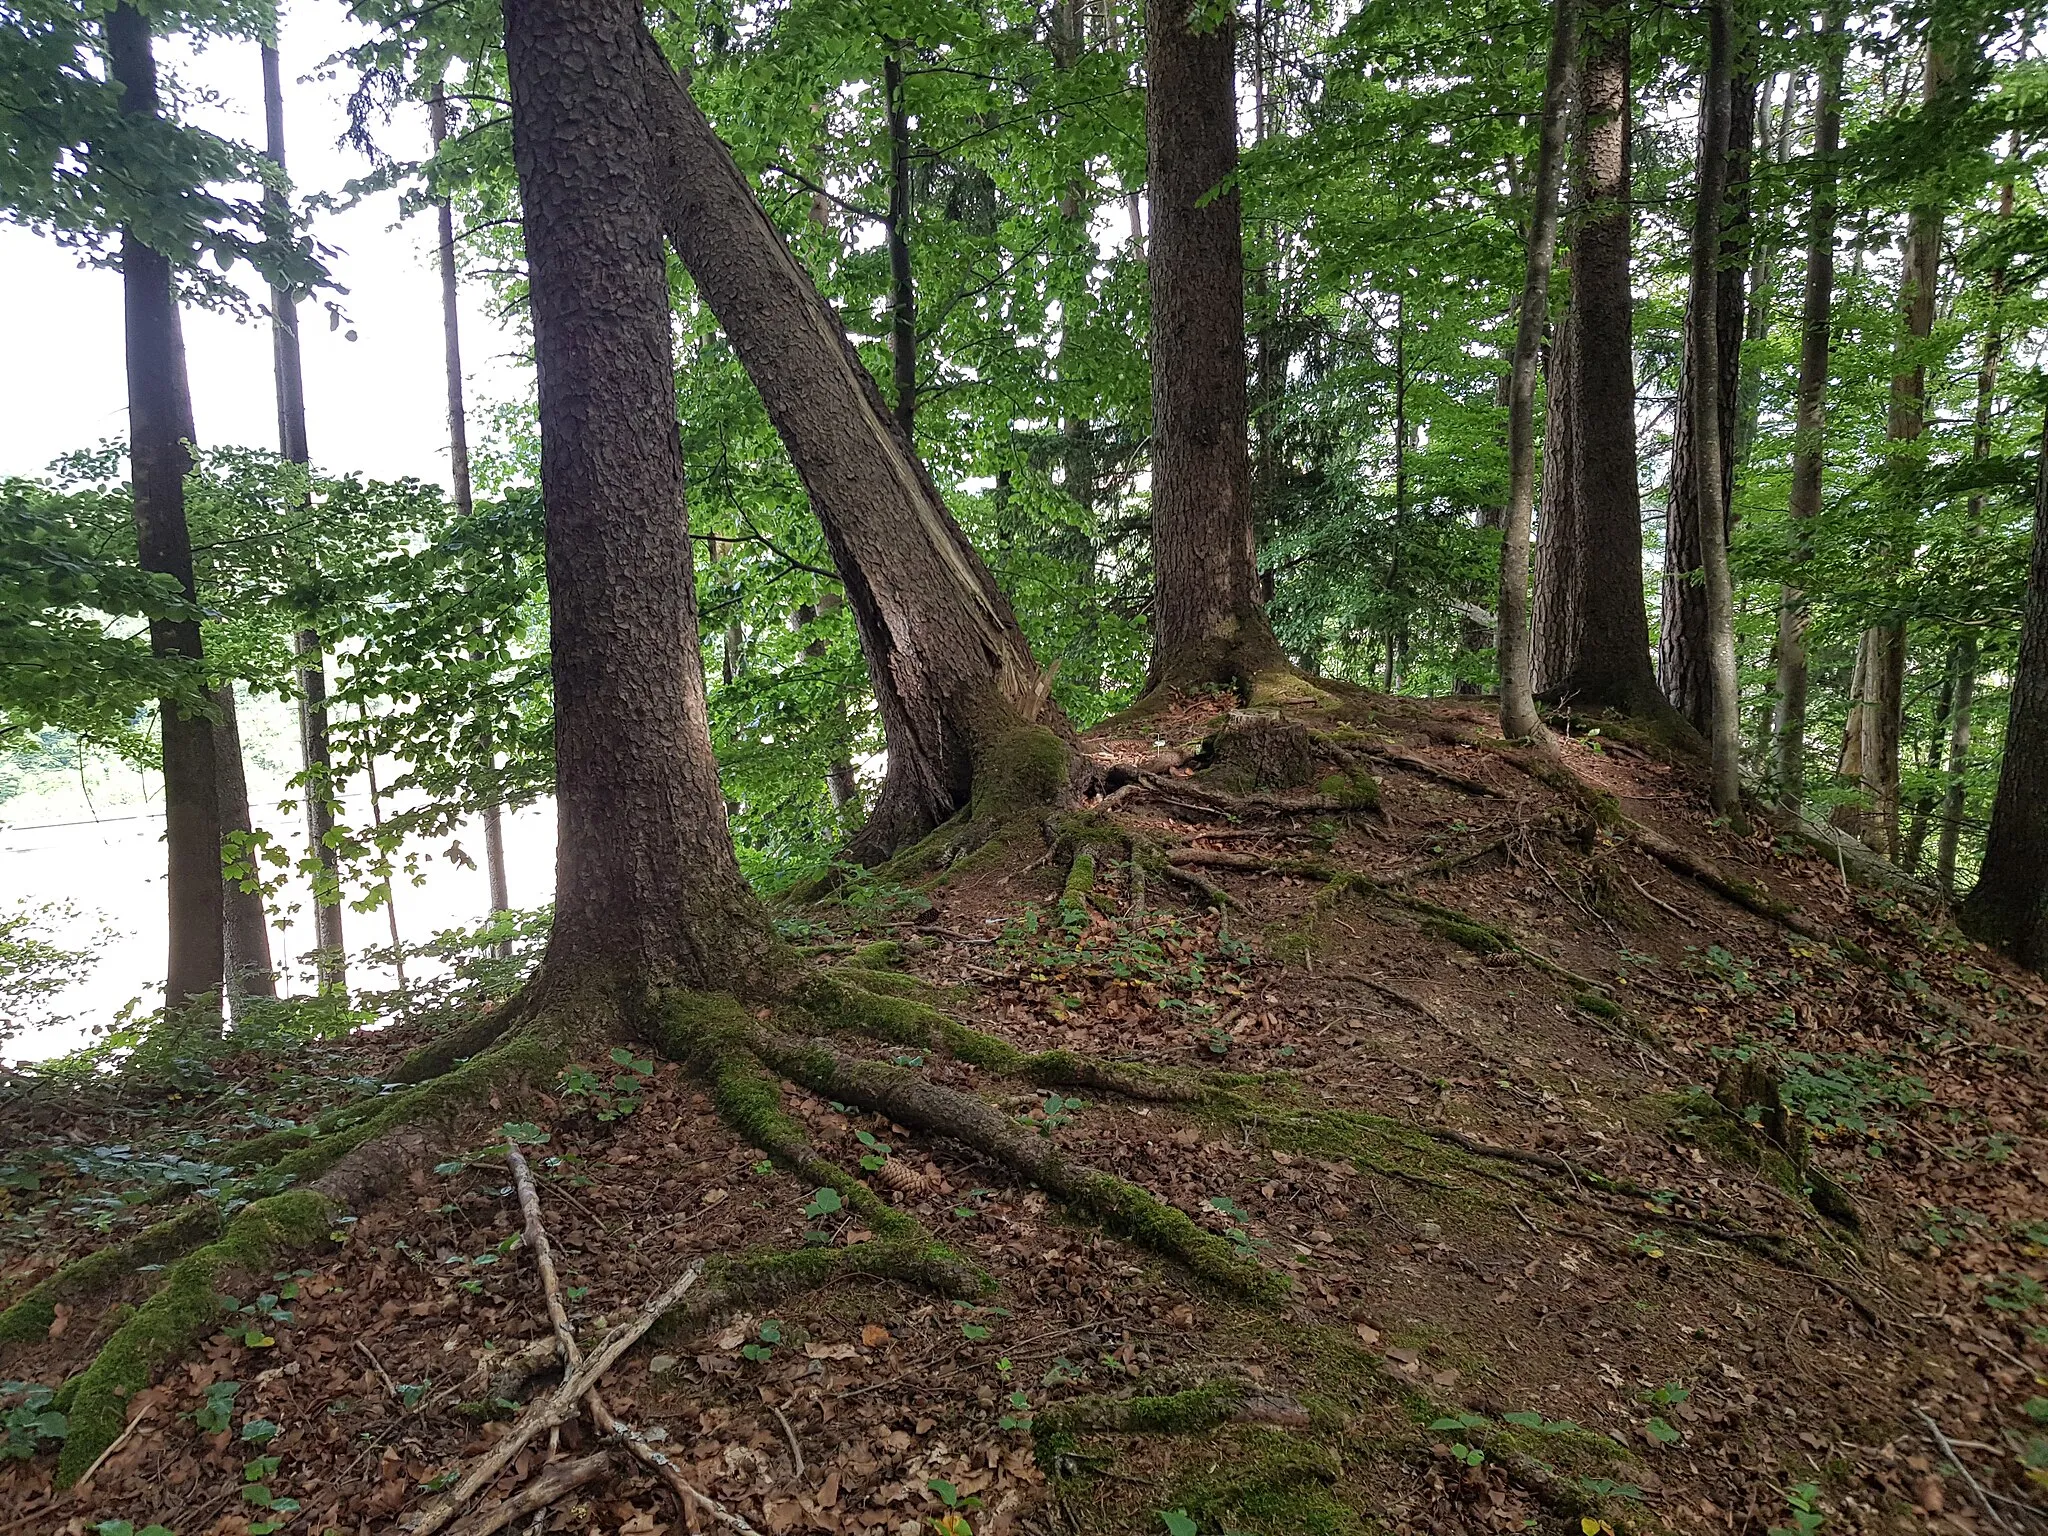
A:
160, 435
647, 889
2009, 907
1592, 638
1684, 643
1209, 622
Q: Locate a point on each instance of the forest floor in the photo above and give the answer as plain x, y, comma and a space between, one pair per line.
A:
1540, 1278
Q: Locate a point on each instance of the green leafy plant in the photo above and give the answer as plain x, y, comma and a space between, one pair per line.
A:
30, 1423
215, 1412
614, 1096
1807, 1518
769, 1335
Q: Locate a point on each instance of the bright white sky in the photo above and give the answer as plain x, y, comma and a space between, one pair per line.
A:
376, 404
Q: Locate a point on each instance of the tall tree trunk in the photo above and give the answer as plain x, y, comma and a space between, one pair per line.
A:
246, 931
1208, 622
1684, 642
1763, 265
1713, 413
1475, 636
1592, 645
331, 958
902, 285
160, 434
2009, 906
1808, 461
458, 474
1134, 200
1518, 717
1878, 719
1400, 530
952, 673
647, 890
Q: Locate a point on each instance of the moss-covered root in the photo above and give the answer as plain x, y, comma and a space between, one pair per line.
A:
89, 1278
874, 1003
185, 1309
911, 1099
1196, 1411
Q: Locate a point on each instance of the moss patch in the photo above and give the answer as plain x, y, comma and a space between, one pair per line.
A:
186, 1309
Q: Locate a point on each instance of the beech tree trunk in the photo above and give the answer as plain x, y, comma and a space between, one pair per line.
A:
1518, 717
160, 435
1816, 313
1684, 649
1877, 719
1592, 645
2009, 907
647, 891
1209, 623
953, 675
458, 474
331, 956
246, 930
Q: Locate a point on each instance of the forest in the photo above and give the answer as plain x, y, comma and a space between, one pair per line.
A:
1299, 759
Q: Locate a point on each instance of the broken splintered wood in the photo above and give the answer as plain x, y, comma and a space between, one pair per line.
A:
554, 1481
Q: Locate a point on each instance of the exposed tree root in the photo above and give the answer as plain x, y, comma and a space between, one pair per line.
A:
89, 1278
1055, 1429
1387, 752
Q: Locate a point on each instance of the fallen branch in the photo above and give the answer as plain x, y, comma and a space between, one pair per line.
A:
555, 1480
553, 1409
601, 1417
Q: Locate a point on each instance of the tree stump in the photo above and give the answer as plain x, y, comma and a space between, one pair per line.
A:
1257, 750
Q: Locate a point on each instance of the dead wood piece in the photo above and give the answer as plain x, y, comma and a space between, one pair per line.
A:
552, 1409
1254, 801
556, 1480
1214, 894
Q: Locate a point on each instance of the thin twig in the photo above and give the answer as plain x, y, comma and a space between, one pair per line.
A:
554, 1481
378, 1366
1949, 1451
796, 1453
601, 1416
119, 1441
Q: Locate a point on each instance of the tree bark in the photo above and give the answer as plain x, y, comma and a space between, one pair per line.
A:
246, 930
1713, 412
1592, 645
1878, 718
1209, 624
2009, 906
953, 675
331, 956
902, 284
160, 434
1816, 309
1518, 717
459, 478
1684, 644
647, 890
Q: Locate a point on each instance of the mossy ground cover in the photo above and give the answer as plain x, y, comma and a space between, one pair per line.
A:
1307, 1081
